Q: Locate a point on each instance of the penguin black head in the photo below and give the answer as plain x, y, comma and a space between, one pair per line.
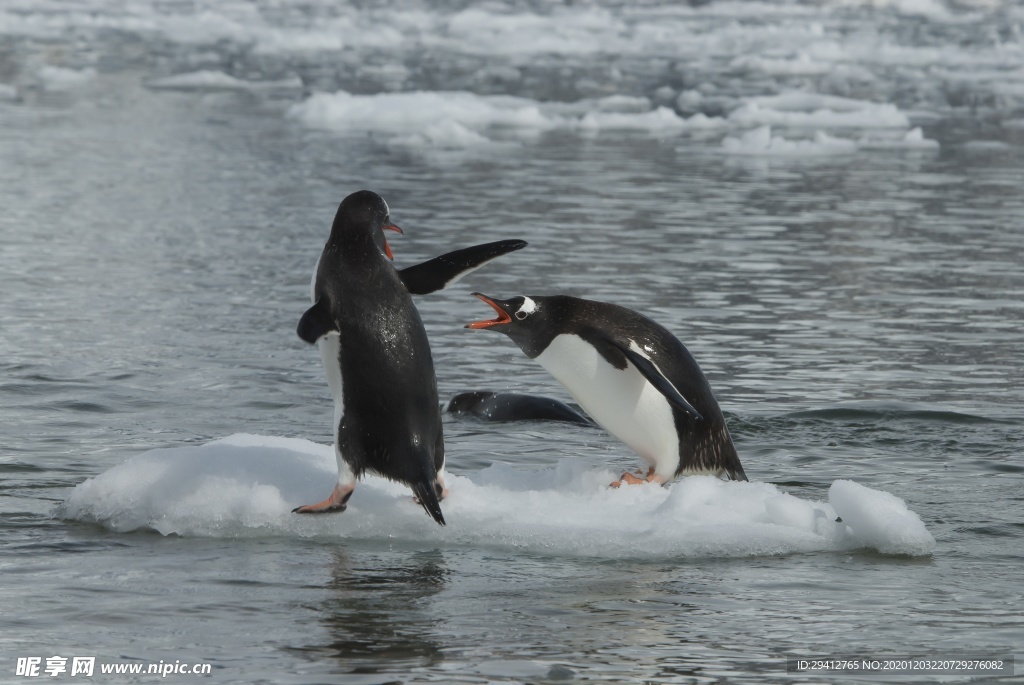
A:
364, 213
529, 321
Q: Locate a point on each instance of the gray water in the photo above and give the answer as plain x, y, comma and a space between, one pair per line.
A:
859, 316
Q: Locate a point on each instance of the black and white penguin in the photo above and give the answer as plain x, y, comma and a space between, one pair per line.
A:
376, 355
377, 358
631, 375
509, 406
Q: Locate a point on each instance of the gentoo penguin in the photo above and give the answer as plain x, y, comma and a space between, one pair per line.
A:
508, 406
376, 354
631, 375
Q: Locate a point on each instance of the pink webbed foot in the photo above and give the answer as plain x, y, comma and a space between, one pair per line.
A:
629, 479
337, 502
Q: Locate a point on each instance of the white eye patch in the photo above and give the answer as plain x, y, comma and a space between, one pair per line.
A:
529, 307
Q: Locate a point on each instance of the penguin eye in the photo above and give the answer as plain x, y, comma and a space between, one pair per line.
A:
521, 315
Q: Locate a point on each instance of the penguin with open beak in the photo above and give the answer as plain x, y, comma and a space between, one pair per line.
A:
631, 375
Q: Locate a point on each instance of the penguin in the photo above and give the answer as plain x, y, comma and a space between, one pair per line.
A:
633, 377
375, 352
507, 406
377, 359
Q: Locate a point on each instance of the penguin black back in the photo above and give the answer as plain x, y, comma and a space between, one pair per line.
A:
390, 421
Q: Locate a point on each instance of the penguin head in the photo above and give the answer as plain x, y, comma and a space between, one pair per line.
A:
364, 213
524, 319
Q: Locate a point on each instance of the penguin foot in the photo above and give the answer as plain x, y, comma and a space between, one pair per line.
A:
336, 503
318, 508
629, 479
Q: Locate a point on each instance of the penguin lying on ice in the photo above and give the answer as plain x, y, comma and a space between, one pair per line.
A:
376, 355
508, 406
631, 375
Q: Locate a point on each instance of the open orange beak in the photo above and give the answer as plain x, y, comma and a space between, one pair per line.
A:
503, 316
387, 248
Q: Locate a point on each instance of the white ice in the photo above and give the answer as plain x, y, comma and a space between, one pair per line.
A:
59, 78
762, 141
217, 80
811, 110
246, 485
822, 66
462, 119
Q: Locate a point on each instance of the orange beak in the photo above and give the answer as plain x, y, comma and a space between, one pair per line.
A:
387, 247
503, 316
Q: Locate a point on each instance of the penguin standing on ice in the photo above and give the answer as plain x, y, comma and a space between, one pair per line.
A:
631, 375
376, 355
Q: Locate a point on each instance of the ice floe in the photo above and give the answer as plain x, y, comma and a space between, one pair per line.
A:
246, 485
460, 118
216, 80
60, 78
762, 141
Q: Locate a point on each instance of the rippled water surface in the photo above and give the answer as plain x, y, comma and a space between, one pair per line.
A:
858, 308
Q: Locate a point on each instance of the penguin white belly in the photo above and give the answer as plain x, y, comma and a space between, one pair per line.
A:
330, 354
621, 400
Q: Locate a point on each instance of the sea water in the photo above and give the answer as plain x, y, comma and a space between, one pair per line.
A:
822, 201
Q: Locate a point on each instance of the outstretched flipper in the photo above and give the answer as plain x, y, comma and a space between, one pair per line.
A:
440, 272
316, 322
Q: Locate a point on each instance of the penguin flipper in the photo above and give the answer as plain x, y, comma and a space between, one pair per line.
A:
440, 272
316, 322
649, 371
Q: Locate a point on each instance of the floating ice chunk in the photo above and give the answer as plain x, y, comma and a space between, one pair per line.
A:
660, 119
689, 99
59, 78
246, 485
880, 520
915, 139
454, 119
871, 115
987, 146
240, 482
418, 112
760, 141
217, 80
442, 134
933, 9
802, 101
800, 65
579, 31
912, 140
625, 104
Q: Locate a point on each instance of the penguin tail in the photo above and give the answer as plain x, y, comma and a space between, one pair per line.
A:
736, 473
426, 497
